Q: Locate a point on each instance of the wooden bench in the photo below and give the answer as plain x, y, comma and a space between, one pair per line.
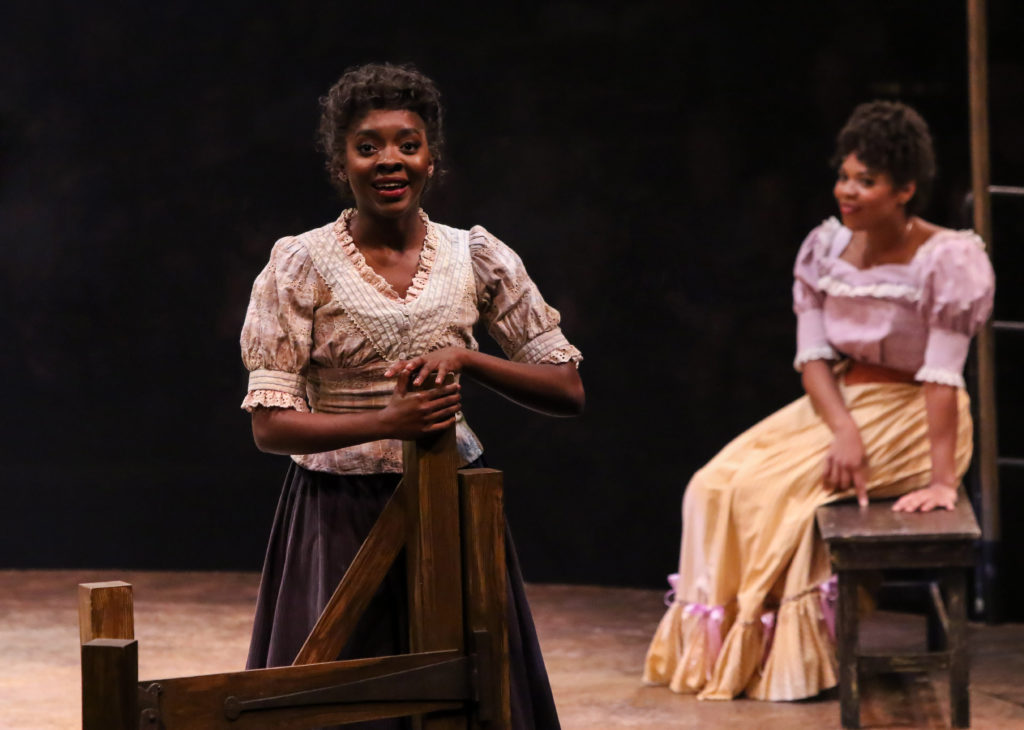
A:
877, 538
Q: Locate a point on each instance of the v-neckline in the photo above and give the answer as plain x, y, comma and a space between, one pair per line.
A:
428, 253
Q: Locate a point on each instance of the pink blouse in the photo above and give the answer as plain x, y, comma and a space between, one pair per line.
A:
917, 317
322, 327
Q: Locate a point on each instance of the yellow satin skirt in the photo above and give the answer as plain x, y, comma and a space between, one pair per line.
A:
753, 595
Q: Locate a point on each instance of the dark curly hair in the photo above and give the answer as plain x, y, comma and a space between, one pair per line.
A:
362, 89
890, 137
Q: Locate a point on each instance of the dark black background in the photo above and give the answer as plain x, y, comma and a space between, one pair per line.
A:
656, 164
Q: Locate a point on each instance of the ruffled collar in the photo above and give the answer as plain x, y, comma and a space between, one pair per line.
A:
428, 253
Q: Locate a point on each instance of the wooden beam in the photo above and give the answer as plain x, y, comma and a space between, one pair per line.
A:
205, 702
356, 589
105, 611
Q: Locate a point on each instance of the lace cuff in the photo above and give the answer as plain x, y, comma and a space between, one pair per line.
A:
548, 347
274, 399
563, 355
939, 375
824, 352
276, 389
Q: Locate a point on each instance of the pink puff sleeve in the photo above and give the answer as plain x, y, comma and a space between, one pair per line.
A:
958, 286
811, 342
277, 335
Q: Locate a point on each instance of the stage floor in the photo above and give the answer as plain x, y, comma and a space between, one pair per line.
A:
593, 639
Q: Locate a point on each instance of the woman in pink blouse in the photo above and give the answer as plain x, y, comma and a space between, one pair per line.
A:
343, 319
886, 306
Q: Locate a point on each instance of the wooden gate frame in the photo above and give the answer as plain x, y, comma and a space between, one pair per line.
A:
451, 524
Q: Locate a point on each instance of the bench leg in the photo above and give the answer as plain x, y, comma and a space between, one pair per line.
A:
938, 618
959, 671
846, 636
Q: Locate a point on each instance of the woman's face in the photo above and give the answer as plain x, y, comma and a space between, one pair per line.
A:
388, 162
868, 198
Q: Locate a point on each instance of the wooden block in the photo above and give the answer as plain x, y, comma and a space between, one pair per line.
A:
105, 611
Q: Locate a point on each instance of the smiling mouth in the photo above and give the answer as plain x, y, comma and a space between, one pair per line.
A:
390, 186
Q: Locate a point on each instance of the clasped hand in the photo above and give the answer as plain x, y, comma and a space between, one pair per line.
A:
411, 414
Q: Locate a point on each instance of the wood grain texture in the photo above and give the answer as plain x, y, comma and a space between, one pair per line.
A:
486, 595
959, 669
198, 703
847, 522
105, 611
433, 548
110, 677
847, 631
878, 555
433, 555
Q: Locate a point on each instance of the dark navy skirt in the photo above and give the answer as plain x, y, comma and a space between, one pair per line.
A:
321, 521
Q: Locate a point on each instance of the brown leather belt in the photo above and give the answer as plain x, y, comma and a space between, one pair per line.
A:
864, 372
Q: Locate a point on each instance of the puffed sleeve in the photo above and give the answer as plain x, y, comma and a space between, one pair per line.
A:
958, 286
811, 342
277, 334
517, 317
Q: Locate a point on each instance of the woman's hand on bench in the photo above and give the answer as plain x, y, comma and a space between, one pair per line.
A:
931, 497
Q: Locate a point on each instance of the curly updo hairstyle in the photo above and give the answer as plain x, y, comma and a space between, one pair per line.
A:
362, 89
890, 137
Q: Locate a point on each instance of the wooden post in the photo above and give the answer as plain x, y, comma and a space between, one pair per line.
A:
486, 598
433, 557
847, 630
959, 668
988, 447
110, 684
110, 656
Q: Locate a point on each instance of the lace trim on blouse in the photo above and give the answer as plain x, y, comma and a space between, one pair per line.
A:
542, 348
428, 253
824, 352
938, 375
396, 328
565, 354
836, 288
274, 399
